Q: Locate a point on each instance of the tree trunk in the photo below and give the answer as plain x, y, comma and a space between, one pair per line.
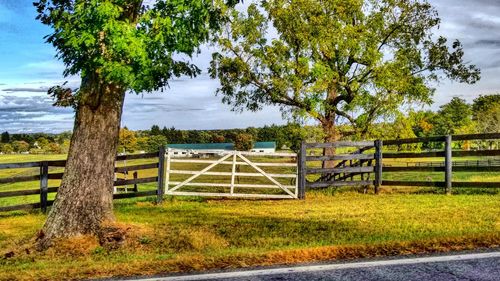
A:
328, 124
331, 135
84, 199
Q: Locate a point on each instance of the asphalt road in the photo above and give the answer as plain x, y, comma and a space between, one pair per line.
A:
477, 266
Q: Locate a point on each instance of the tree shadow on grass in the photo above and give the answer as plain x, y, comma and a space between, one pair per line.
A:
202, 229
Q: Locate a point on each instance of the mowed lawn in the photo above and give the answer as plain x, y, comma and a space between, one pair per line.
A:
191, 233
186, 234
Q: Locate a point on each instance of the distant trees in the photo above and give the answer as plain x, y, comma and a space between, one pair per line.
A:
243, 142
216, 138
20, 146
5, 137
484, 103
7, 148
37, 143
127, 141
486, 113
453, 117
153, 143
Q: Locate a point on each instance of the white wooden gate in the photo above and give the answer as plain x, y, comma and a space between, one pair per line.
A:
233, 158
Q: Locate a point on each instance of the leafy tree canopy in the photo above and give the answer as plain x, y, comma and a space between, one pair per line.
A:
485, 103
126, 43
336, 60
243, 142
452, 116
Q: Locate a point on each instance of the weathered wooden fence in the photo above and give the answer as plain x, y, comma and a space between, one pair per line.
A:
372, 163
45, 175
164, 172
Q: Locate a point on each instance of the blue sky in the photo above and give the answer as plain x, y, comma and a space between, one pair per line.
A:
28, 68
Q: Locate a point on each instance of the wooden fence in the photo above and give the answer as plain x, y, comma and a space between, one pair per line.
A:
163, 166
372, 164
44, 176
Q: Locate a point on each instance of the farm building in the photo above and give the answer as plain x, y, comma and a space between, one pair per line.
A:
190, 149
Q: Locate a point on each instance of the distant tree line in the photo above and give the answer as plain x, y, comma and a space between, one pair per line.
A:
286, 136
455, 117
37, 143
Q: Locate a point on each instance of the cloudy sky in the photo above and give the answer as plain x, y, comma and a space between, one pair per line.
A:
28, 68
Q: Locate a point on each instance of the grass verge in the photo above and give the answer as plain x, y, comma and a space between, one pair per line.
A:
189, 234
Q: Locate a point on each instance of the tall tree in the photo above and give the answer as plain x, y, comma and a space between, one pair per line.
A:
116, 46
5, 137
452, 116
155, 130
127, 141
484, 103
488, 121
243, 142
337, 61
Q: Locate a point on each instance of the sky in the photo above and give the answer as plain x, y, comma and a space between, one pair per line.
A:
28, 67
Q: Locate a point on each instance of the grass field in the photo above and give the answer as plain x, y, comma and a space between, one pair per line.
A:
191, 233
184, 234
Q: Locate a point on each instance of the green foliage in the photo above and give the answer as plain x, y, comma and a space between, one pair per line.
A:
53, 148
402, 127
348, 61
127, 141
485, 103
452, 117
5, 137
20, 146
132, 45
155, 142
7, 148
155, 130
243, 142
488, 121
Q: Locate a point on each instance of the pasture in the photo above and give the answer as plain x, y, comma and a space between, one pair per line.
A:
193, 233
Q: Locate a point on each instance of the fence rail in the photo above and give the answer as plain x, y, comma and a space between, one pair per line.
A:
163, 167
364, 165
44, 176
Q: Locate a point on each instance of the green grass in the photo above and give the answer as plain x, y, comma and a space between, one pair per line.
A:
192, 233
184, 234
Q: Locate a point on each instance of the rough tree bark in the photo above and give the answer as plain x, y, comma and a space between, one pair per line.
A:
84, 199
331, 135
329, 127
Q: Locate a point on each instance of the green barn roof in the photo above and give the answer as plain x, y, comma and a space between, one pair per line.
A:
218, 146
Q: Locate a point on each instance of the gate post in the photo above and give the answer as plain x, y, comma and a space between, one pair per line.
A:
448, 165
378, 165
161, 174
301, 169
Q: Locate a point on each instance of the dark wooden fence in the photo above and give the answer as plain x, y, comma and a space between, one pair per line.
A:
372, 164
44, 176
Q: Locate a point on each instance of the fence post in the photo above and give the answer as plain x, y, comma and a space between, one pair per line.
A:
161, 173
378, 165
448, 165
301, 167
135, 181
44, 184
